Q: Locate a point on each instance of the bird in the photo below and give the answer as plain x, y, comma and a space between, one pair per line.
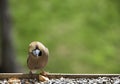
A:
37, 57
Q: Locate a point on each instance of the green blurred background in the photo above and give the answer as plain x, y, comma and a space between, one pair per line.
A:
82, 35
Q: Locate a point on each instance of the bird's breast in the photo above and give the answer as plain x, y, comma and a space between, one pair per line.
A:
37, 63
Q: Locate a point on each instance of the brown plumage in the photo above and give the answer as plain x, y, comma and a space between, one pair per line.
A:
37, 56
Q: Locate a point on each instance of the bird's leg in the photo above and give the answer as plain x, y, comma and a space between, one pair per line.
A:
31, 74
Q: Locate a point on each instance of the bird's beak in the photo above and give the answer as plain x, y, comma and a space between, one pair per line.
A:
36, 52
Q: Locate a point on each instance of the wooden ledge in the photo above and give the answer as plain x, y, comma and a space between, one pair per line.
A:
54, 75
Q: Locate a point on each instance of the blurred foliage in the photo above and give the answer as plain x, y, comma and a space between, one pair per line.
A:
82, 35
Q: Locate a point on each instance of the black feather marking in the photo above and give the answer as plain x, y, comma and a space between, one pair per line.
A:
40, 53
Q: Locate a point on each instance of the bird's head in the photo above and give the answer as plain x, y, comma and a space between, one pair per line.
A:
36, 48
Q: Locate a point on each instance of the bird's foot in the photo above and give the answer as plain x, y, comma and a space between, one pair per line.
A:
44, 73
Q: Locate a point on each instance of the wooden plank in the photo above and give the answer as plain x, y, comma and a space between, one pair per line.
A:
17, 75
59, 75
54, 75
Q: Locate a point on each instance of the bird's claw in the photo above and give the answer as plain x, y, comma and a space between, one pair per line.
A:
44, 73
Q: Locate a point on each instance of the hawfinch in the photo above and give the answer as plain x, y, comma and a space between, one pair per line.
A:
37, 56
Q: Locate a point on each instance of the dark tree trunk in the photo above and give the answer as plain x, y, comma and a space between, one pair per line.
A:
8, 60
